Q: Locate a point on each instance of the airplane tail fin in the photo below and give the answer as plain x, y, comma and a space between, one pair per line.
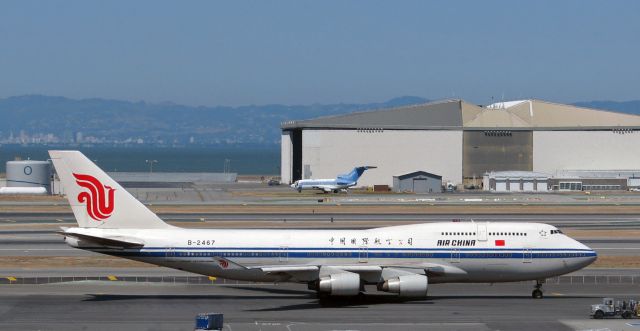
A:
355, 174
96, 199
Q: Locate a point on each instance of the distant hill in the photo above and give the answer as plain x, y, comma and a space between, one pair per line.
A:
59, 120
53, 120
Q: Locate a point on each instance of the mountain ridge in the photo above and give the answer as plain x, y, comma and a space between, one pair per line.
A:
41, 119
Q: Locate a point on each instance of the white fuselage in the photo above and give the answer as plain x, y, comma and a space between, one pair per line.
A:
326, 185
447, 252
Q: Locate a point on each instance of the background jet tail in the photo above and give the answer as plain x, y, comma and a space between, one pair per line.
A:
96, 199
355, 174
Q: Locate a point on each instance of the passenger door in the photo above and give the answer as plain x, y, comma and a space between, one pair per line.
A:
170, 253
363, 254
283, 254
455, 256
481, 231
527, 256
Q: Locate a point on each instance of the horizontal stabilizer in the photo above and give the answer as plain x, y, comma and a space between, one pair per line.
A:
102, 241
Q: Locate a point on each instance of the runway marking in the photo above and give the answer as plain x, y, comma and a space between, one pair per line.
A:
11, 278
112, 277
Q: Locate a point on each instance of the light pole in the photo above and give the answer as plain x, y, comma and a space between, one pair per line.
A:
151, 162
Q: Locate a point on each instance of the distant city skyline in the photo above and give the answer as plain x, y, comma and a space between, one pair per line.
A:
303, 52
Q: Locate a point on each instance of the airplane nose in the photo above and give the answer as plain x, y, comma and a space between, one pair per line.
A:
591, 254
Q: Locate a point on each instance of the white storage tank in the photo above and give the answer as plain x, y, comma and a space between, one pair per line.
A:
29, 173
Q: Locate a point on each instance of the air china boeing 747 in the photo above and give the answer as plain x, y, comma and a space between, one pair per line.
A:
399, 259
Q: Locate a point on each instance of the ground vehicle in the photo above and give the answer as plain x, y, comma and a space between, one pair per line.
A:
273, 182
610, 308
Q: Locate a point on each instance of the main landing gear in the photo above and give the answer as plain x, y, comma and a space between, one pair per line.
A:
537, 292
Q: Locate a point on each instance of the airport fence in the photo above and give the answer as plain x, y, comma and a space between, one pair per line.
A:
203, 280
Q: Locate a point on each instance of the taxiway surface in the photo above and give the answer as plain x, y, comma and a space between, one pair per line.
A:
123, 306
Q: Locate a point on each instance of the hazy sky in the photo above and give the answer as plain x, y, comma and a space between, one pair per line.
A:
302, 52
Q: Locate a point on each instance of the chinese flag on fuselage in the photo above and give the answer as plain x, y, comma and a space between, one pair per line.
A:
500, 242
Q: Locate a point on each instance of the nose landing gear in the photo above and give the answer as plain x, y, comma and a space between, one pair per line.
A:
537, 292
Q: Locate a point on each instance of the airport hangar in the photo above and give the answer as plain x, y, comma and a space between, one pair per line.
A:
460, 141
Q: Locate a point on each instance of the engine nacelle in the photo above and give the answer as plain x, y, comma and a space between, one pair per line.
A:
407, 285
341, 284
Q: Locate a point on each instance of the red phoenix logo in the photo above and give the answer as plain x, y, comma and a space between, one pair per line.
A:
99, 206
224, 264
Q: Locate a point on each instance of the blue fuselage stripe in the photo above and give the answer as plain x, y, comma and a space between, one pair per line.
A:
290, 249
345, 253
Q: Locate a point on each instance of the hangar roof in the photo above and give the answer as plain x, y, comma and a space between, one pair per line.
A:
458, 115
441, 114
416, 174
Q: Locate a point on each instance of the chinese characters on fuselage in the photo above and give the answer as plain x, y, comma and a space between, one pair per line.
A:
366, 241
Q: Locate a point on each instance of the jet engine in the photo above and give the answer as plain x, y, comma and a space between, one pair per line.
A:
406, 285
340, 284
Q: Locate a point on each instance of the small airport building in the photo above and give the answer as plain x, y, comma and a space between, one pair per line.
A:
417, 182
461, 142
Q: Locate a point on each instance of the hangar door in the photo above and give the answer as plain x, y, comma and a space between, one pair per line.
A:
490, 150
514, 186
296, 164
541, 186
527, 186
420, 185
501, 185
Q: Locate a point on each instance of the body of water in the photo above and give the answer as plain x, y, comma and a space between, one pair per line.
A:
243, 160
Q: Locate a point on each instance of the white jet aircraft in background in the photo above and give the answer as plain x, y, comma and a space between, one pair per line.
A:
334, 262
342, 182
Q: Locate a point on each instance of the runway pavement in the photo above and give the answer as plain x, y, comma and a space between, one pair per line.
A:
108, 306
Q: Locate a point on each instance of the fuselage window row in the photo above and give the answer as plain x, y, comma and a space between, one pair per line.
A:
519, 234
458, 233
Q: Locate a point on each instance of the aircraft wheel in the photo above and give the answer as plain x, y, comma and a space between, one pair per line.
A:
536, 294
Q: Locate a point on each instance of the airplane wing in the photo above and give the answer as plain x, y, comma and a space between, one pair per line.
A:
298, 268
307, 273
288, 269
117, 242
225, 263
312, 272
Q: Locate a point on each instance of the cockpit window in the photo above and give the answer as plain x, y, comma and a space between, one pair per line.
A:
556, 232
